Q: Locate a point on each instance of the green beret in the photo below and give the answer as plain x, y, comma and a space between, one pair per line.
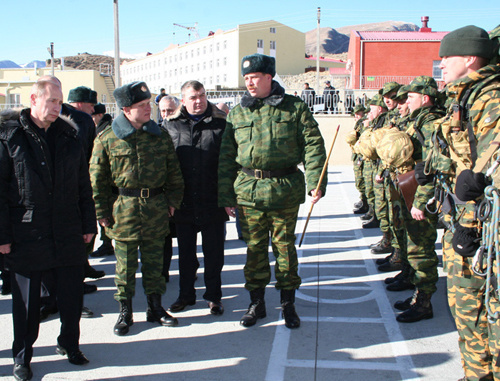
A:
358, 108
131, 93
258, 63
423, 85
402, 93
467, 41
82, 94
377, 100
99, 108
390, 87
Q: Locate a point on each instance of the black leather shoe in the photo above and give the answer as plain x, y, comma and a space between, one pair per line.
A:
22, 372
6, 289
89, 288
180, 304
103, 250
87, 312
46, 311
216, 308
75, 357
90, 272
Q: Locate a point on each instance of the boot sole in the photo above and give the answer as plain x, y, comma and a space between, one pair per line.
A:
250, 324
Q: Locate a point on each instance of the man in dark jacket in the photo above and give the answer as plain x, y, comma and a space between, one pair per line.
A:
46, 216
197, 134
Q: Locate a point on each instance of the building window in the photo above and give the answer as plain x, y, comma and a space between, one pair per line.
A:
217, 79
225, 61
225, 44
198, 51
198, 67
204, 50
210, 64
272, 45
272, 30
437, 73
217, 63
217, 47
204, 65
225, 77
260, 44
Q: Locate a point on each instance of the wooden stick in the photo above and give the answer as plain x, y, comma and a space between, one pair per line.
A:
325, 167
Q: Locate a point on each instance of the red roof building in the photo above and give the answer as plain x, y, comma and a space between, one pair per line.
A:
375, 58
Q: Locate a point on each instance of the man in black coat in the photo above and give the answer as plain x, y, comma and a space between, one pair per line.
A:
196, 131
47, 215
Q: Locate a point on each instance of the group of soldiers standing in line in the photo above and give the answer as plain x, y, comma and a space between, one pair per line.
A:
422, 157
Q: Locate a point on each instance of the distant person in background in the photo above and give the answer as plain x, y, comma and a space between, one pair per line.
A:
223, 107
328, 94
308, 95
157, 102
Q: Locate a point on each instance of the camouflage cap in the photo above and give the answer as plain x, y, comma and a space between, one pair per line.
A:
358, 108
495, 37
469, 40
390, 87
424, 85
402, 93
377, 100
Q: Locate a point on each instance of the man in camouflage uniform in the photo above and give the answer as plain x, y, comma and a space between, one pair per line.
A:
136, 182
424, 104
381, 185
460, 156
267, 135
361, 206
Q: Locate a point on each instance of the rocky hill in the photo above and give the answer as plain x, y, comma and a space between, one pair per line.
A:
336, 41
86, 61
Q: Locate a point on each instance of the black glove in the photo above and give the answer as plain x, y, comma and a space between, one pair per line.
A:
470, 185
420, 176
465, 241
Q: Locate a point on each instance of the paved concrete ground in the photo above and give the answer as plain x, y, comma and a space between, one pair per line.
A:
348, 331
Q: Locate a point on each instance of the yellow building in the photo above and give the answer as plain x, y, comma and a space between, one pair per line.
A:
15, 84
215, 60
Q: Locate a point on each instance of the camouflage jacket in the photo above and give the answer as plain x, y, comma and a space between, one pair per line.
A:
124, 157
391, 118
420, 129
273, 133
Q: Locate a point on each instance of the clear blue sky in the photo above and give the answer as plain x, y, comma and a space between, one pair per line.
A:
77, 26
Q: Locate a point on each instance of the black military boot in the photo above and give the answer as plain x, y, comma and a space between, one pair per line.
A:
394, 264
156, 313
404, 305
420, 308
372, 223
256, 309
292, 320
361, 207
381, 261
402, 280
385, 244
125, 319
105, 249
6, 285
368, 215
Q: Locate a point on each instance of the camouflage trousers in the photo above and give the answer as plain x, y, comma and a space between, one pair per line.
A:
381, 208
396, 220
368, 180
476, 338
127, 258
359, 180
256, 227
421, 252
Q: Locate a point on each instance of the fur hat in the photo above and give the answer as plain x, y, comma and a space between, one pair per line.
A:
99, 108
82, 94
131, 93
258, 63
467, 41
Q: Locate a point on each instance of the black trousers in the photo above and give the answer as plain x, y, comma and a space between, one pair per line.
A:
212, 236
26, 301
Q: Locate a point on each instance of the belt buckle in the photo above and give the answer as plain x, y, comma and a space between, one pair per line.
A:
145, 192
258, 174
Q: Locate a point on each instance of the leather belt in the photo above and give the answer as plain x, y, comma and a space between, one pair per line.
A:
261, 174
142, 192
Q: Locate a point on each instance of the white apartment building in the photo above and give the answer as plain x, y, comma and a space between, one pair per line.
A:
215, 60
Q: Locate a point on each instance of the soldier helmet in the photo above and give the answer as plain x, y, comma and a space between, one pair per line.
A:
390, 87
395, 148
364, 146
377, 135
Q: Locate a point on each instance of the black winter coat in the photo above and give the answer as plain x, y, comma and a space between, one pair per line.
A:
197, 144
46, 200
85, 127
